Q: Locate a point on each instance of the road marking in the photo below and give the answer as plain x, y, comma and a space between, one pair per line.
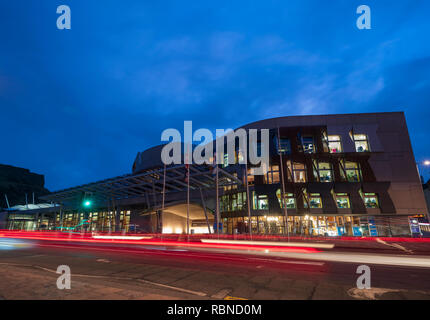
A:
196, 293
221, 294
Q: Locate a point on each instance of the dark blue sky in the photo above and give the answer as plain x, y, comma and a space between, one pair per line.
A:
78, 105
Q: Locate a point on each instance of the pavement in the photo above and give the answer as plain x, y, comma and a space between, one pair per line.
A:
154, 273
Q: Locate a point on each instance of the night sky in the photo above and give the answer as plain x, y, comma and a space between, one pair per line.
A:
77, 105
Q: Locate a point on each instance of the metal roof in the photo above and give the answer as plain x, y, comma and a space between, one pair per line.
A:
28, 207
148, 182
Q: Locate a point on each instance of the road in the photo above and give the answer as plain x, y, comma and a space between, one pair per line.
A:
117, 271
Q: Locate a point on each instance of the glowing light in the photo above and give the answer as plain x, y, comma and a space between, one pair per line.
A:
271, 243
427, 163
167, 230
87, 203
121, 237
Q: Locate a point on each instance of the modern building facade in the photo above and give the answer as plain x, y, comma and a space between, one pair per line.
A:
328, 175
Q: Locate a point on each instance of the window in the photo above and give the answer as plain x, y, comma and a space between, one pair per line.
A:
361, 143
371, 200
314, 200
325, 173
260, 202
239, 156
308, 144
284, 146
298, 171
250, 178
225, 164
342, 200
233, 202
272, 175
353, 172
290, 201
334, 144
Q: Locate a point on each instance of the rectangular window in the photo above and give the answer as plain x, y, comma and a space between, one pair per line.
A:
308, 144
371, 200
353, 172
334, 144
225, 164
272, 175
361, 143
325, 172
261, 202
342, 200
284, 146
250, 178
314, 200
233, 202
299, 172
290, 201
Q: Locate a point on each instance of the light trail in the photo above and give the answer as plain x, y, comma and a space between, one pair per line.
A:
121, 237
152, 242
272, 243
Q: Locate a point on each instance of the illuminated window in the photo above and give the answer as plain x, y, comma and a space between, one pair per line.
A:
325, 172
250, 178
308, 144
290, 201
284, 146
225, 164
361, 143
233, 202
371, 200
272, 175
353, 172
239, 156
342, 200
334, 144
298, 171
314, 200
261, 202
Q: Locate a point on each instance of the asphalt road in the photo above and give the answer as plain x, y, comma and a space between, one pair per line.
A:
144, 272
